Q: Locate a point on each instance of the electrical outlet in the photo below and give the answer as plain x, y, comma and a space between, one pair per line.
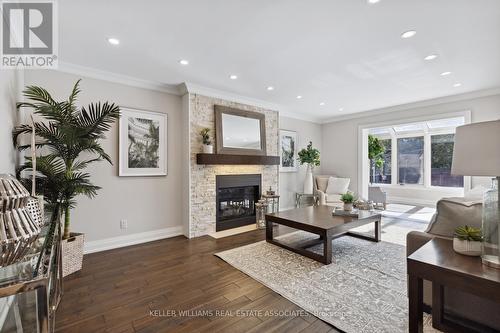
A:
123, 224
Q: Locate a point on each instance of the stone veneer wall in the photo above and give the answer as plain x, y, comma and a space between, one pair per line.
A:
202, 191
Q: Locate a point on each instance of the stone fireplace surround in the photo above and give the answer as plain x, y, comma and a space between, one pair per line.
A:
202, 178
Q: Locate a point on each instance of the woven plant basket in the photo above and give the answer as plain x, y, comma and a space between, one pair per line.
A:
72, 253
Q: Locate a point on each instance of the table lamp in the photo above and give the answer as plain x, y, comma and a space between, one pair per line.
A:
477, 153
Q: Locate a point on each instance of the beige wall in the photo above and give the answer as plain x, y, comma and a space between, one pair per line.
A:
291, 182
147, 203
8, 118
341, 137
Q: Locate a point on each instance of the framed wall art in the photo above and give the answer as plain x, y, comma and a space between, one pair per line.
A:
142, 143
288, 151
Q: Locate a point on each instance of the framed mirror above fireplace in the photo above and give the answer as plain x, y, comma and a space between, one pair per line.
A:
239, 132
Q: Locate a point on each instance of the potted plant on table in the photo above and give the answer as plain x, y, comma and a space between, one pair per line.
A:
208, 148
467, 240
310, 157
348, 200
69, 141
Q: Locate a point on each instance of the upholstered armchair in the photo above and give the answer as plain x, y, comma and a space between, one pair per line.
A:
378, 196
320, 190
451, 213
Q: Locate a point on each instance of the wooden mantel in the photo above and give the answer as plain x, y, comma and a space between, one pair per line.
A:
231, 159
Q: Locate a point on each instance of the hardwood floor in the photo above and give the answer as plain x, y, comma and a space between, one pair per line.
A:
144, 288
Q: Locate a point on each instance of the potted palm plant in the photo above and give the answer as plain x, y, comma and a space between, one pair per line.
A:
309, 156
68, 140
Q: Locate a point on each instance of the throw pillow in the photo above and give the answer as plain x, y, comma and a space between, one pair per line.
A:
337, 185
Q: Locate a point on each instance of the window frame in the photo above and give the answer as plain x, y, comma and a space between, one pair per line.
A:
426, 133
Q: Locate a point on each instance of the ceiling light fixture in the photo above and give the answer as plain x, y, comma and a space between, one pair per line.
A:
233, 77
408, 34
341, 109
113, 41
372, 2
431, 57
299, 97
322, 103
183, 62
445, 73
458, 84
270, 88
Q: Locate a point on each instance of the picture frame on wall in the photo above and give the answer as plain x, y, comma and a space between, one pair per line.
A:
288, 151
142, 143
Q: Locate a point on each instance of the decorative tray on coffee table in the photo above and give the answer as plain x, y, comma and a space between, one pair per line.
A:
340, 212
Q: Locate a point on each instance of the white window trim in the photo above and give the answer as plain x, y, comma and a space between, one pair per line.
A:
363, 131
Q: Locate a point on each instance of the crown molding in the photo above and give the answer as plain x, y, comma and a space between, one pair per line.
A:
98, 74
193, 88
415, 105
181, 89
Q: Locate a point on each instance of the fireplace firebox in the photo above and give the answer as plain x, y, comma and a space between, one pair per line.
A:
236, 196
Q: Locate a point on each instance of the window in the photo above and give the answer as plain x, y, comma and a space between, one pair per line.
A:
383, 175
411, 160
416, 153
441, 157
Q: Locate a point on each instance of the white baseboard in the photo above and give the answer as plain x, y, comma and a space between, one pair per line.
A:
408, 201
127, 240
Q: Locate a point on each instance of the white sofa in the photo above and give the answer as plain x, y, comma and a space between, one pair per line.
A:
320, 185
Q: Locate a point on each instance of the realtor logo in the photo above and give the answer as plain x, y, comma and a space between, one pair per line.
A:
29, 35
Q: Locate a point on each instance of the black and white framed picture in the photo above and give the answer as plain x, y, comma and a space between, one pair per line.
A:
143, 143
288, 154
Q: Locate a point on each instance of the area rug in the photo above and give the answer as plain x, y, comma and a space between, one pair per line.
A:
363, 290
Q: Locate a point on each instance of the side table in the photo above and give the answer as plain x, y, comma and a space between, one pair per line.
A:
438, 263
299, 196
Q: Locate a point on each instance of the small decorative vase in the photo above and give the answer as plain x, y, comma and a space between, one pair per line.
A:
467, 247
348, 206
208, 149
308, 181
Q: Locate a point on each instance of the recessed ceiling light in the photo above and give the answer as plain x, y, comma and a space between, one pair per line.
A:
183, 62
408, 34
445, 73
270, 88
299, 97
113, 41
322, 103
458, 84
233, 77
373, 1
341, 109
431, 57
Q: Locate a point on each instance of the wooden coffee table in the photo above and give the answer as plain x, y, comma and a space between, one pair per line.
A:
319, 220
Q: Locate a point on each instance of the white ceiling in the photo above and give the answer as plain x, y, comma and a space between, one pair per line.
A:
346, 53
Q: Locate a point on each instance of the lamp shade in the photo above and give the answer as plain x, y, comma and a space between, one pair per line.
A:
477, 150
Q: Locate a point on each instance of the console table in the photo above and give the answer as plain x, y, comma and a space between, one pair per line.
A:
437, 262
